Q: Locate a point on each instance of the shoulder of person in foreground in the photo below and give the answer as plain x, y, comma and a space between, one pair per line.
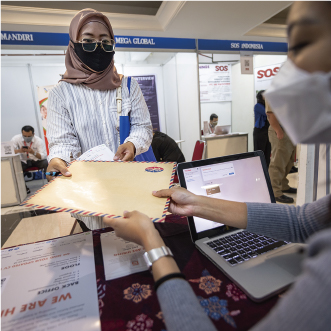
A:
306, 305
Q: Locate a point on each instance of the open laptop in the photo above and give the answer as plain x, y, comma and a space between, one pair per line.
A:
222, 129
261, 266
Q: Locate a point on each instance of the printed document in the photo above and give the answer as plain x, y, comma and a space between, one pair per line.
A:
120, 257
50, 285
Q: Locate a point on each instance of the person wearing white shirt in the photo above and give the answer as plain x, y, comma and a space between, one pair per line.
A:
212, 123
30, 148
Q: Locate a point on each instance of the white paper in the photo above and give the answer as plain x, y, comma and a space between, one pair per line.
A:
7, 148
50, 285
120, 257
215, 82
98, 153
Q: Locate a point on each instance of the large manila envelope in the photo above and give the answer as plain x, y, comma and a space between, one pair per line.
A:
99, 188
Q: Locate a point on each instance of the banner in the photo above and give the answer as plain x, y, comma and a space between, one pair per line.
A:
148, 88
215, 82
264, 75
43, 92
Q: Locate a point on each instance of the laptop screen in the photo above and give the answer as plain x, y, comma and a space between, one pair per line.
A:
240, 180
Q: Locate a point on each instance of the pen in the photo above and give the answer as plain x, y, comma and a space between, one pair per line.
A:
53, 173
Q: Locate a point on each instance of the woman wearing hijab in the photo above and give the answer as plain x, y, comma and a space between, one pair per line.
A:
82, 108
300, 96
260, 133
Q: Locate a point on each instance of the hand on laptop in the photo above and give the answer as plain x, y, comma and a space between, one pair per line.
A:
182, 202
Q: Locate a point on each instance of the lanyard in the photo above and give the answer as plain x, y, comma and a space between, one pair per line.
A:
27, 154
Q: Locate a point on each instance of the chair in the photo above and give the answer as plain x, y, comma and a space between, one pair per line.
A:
198, 154
35, 169
199, 151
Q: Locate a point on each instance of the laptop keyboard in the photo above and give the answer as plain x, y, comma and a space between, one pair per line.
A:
243, 246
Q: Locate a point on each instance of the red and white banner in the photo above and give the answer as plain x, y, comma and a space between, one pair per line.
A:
264, 75
43, 92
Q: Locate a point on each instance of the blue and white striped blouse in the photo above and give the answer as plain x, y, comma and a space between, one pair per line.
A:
80, 118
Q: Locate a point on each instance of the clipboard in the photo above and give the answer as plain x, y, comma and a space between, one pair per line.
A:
107, 188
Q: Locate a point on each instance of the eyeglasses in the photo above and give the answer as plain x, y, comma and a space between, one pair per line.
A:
90, 45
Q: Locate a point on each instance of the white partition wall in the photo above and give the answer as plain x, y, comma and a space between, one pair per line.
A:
20, 77
171, 99
243, 102
17, 104
188, 101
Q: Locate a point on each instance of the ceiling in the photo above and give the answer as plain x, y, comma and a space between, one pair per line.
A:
120, 7
232, 20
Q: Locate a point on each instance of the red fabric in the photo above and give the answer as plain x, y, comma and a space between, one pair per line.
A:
198, 150
31, 169
120, 311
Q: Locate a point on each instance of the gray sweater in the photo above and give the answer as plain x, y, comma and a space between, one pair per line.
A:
306, 306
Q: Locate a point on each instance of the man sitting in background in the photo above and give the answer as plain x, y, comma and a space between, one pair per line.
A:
166, 149
31, 149
212, 123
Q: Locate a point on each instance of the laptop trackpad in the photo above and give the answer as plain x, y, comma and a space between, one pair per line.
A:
289, 259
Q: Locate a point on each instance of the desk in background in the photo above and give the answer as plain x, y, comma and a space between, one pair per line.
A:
226, 144
13, 190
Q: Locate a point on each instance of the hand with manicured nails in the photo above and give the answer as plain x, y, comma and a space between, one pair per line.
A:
57, 164
125, 152
134, 226
182, 202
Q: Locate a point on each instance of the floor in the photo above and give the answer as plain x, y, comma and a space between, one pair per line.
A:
11, 217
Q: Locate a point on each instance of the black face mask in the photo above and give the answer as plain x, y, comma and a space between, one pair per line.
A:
98, 60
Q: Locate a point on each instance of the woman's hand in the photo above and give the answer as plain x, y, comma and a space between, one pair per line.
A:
56, 165
182, 202
136, 227
125, 152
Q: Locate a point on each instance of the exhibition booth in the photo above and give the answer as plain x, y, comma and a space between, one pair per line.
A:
93, 279
173, 70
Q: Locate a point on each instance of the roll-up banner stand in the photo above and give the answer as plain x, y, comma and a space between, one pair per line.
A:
137, 42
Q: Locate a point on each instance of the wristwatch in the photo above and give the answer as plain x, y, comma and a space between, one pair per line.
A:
154, 254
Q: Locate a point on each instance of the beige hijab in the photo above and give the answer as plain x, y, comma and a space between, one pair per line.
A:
77, 72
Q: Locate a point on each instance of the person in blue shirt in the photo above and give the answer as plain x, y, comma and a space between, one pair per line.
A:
260, 133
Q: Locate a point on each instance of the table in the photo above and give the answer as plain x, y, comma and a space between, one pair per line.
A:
130, 300
13, 190
127, 301
226, 144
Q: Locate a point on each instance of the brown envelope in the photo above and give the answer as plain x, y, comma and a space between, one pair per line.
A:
108, 188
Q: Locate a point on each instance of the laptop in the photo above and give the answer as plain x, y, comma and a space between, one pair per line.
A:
222, 129
259, 265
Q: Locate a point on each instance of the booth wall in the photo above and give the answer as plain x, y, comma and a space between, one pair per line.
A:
243, 103
188, 101
17, 103
171, 99
266, 60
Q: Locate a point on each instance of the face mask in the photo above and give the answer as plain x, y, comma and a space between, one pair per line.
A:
27, 139
98, 60
302, 103
213, 124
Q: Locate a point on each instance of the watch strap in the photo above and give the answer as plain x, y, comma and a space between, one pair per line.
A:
154, 254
